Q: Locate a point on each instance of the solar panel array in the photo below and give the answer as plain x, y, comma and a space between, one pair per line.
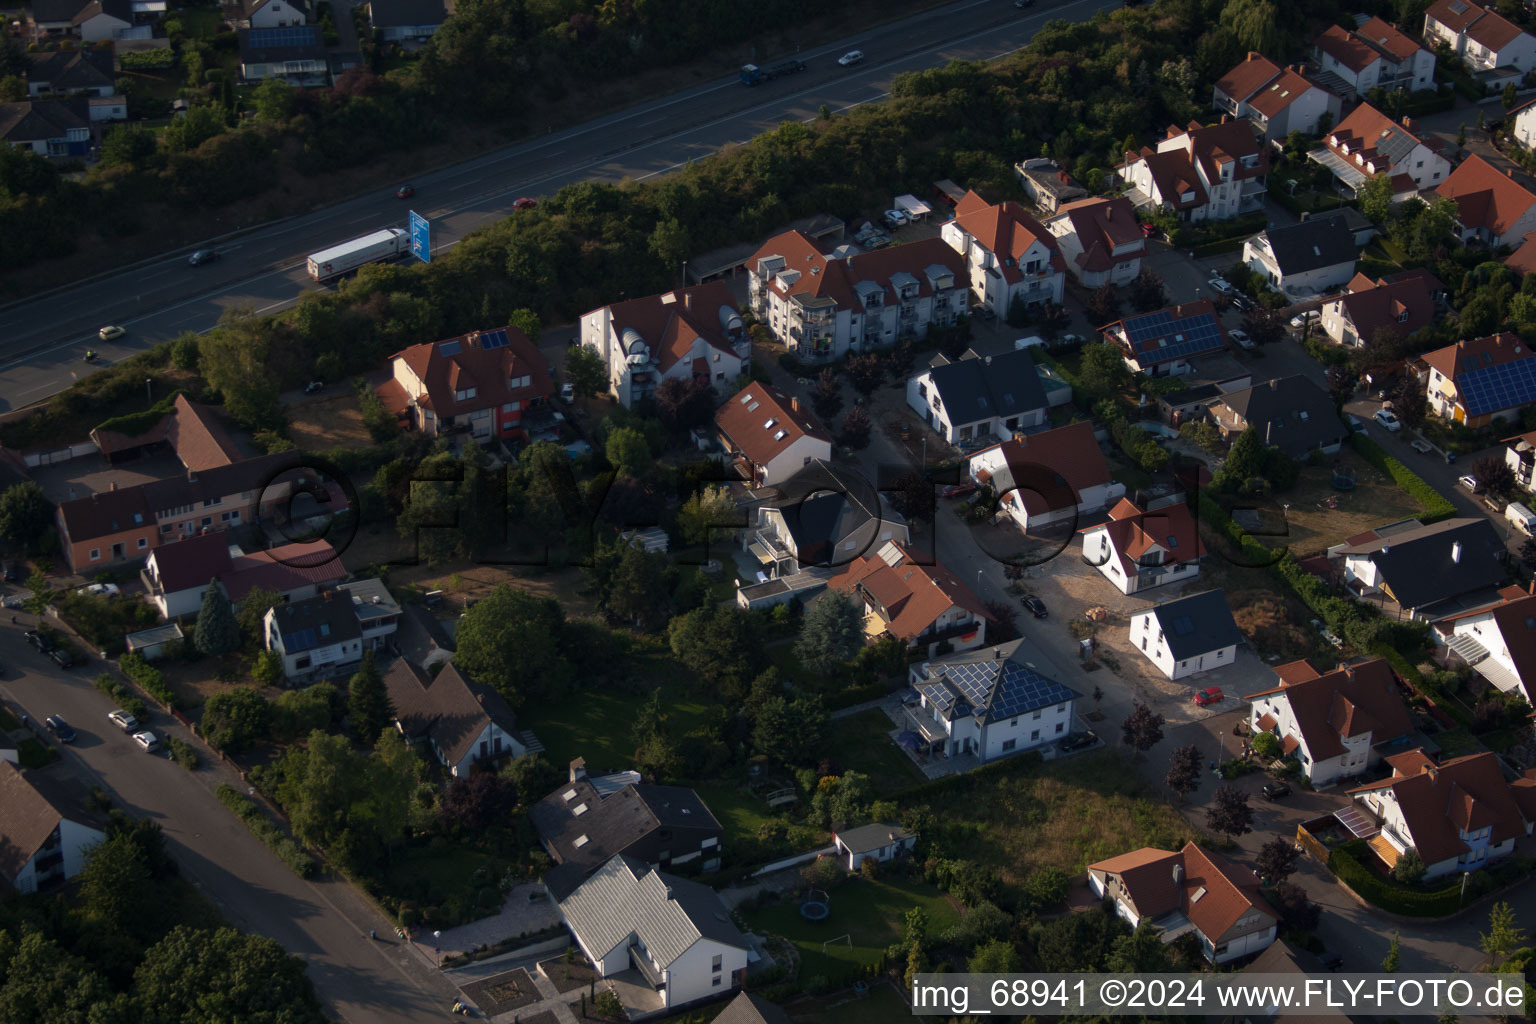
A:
1022, 689
1184, 336
494, 339
1493, 388
449, 348
301, 640
292, 35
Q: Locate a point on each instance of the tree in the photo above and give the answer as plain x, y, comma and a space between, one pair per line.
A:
627, 451
790, 731
656, 755
1142, 729
1266, 744
1245, 460
1184, 768
1394, 958
995, 956
640, 590
297, 713
483, 800
721, 644
1276, 860
217, 632
1229, 812
1147, 291
1046, 888
1528, 554
682, 405
1461, 136
913, 497
1254, 23
273, 100
253, 612
1494, 474
369, 709
1104, 305
1265, 326
585, 372
1376, 199
25, 515
1141, 952
1297, 911
914, 930
1504, 935
267, 669
856, 428
710, 513
115, 887
828, 397
511, 641
1410, 405
831, 633
195, 976
865, 373
1103, 373
236, 719
1511, 96
43, 982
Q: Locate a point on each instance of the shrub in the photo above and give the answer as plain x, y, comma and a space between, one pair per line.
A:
288, 851
148, 677
1396, 898
1436, 506
122, 696
183, 754
1047, 888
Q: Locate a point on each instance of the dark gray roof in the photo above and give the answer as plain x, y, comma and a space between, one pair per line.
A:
977, 389
872, 837
273, 45
1197, 624
56, 10
748, 1008
328, 618
67, 70
822, 504
35, 120
1292, 413
405, 13
989, 684
1312, 245
1349, 217
1425, 566
419, 634
122, 10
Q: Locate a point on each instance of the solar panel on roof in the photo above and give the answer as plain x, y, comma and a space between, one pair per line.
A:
300, 641
1490, 389
1021, 688
292, 35
494, 339
449, 348
1173, 339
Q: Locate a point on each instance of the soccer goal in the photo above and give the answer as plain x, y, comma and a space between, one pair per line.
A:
844, 940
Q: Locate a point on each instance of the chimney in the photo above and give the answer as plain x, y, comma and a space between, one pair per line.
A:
1225, 118
1408, 123
1255, 55
578, 769
113, 485
687, 300
794, 404
1274, 384
1532, 589
1178, 874
989, 360
1456, 552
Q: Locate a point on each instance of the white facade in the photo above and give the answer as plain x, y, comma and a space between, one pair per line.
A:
706, 968
1415, 74
989, 740
1127, 256
924, 399
326, 659
1499, 667
1099, 551
1147, 636
1355, 759
102, 27
1039, 282
1481, 849
70, 842
792, 460
1090, 499
493, 742
1525, 126
1260, 258
278, 14
853, 860
634, 366
1250, 934
308, 71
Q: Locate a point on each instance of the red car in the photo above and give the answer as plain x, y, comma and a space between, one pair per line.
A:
1209, 696
405, 191
957, 490
525, 203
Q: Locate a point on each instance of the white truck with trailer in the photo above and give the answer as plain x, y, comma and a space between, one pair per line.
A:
385, 244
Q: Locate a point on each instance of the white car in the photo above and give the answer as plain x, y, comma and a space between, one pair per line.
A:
851, 58
101, 590
1301, 321
123, 720
1470, 483
567, 393
111, 331
895, 218
148, 740
1241, 340
1387, 419
1222, 286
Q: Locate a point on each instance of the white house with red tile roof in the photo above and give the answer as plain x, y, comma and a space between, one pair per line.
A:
1490, 206
1375, 54
1210, 172
1479, 381
1100, 240
1404, 303
1332, 722
691, 334
1498, 641
1141, 549
1457, 816
1368, 143
1046, 478
176, 575
919, 604
1189, 891
482, 383
1008, 254
771, 435
1520, 456
1483, 39
1277, 100
1523, 124
821, 307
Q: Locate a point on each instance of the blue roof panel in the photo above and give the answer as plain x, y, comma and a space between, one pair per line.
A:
1490, 389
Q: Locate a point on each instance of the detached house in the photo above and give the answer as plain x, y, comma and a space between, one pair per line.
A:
1481, 381
879, 842
1187, 635
484, 384
1047, 478
407, 21
1368, 143
71, 72
823, 518
823, 307
918, 604
1421, 567
318, 638
769, 435
692, 334
676, 933
1403, 303
175, 576
267, 13
1491, 207
295, 54
1498, 641
1192, 890
987, 704
1100, 240
974, 399
1138, 550
1520, 456
47, 127
1162, 343
1304, 259
1293, 414
464, 722
1007, 254
101, 20
1485, 41
1524, 124
43, 842
1336, 723
1375, 54
1458, 816
589, 820
1277, 100
1211, 172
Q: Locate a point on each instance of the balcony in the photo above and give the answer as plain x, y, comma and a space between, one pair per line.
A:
923, 724
151, 584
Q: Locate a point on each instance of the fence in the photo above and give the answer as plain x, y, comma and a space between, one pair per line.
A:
799, 858
74, 451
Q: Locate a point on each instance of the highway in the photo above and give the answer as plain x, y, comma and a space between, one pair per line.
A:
43, 340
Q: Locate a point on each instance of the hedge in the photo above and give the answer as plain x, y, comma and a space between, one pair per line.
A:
288, 851
134, 424
1346, 864
148, 677
147, 59
122, 696
1435, 505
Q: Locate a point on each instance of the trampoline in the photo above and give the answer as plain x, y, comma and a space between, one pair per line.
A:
816, 906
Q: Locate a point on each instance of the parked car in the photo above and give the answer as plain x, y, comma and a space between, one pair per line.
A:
1470, 483
1421, 446
1078, 741
405, 191
1034, 606
1388, 419
39, 641
60, 728
314, 387
1210, 695
983, 312
1221, 285
525, 203
201, 256
111, 331
1241, 340
1355, 422
148, 740
101, 589
1242, 301
14, 572
123, 720
1328, 635
851, 58
1275, 790
957, 490
567, 393
895, 218
1301, 321
61, 657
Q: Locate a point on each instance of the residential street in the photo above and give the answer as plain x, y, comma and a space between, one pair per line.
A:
324, 922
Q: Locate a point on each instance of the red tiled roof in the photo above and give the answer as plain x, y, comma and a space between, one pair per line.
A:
1343, 46
283, 568
1364, 132
1173, 174
821, 276
1006, 230
1389, 38
456, 365
1281, 93
1101, 225
199, 437
1476, 353
27, 820
1226, 142
913, 596
1462, 795
679, 322
1485, 198
755, 417
1370, 305
1523, 259
1346, 702
1255, 72
191, 562
1213, 892
1494, 31
1455, 15
1134, 532
1070, 451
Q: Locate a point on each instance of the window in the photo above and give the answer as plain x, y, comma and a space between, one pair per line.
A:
1010, 744
512, 407
580, 842
302, 662
1183, 664
166, 528
715, 963
715, 983
95, 554
207, 520
1036, 716
143, 543
1014, 724
1060, 727
210, 502
465, 395
1035, 735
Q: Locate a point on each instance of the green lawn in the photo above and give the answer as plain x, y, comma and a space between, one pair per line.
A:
440, 880
862, 742
871, 914
599, 724
199, 23
739, 812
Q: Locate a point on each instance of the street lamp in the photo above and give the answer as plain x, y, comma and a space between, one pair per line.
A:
149, 390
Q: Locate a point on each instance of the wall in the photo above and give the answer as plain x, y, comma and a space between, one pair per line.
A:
690, 976
75, 840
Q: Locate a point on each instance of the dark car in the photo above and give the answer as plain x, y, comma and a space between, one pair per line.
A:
1034, 606
525, 203
1276, 791
39, 641
405, 191
1078, 741
61, 657
60, 728
202, 256
13, 572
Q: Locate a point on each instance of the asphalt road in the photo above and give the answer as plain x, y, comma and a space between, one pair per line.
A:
42, 341
324, 922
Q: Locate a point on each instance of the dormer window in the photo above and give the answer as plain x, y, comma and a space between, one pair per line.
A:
578, 810
581, 841
781, 435
465, 395
770, 423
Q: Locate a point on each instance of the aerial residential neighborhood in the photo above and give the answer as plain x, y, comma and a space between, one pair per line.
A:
585, 513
